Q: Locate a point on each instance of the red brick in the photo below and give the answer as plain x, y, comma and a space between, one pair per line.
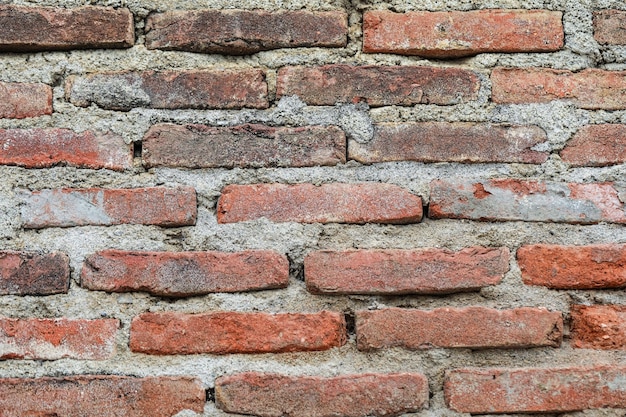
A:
599, 327
43, 148
540, 390
423, 271
233, 332
450, 142
471, 327
378, 85
29, 273
103, 396
245, 146
610, 27
534, 201
573, 267
26, 29
184, 274
596, 145
22, 100
592, 89
241, 32
216, 89
169, 207
457, 34
51, 339
328, 203
375, 395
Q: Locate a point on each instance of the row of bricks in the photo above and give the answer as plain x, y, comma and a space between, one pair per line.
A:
320, 86
360, 203
227, 332
385, 272
256, 146
468, 390
239, 32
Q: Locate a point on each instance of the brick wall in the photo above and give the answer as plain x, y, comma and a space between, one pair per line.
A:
313, 208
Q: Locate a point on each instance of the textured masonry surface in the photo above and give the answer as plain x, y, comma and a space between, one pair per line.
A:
313, 208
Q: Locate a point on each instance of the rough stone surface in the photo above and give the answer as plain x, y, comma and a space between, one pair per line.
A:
270, 395
598, 327
233, 332
22, 100
29, 273
610, 27
596, 145
471, 327
425, 271
450, 142
241, 32
457, 34
328, 203
182, 274
244, 146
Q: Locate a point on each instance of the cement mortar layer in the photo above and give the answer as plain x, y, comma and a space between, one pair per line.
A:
560, 120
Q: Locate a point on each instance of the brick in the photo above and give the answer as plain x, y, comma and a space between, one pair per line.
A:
378, 85
471, 327
573, 267
534, 201
535, 390
458, 34
598, 327
22, 100
184, 274
105, 396
30, 273
450, 142
596, 145
374, 395
592, 89
424, 271
215, 89
43, 148
327, 203
610, 27
242, 32
50, 339
244, 146
232, 332
27, 29
169, 207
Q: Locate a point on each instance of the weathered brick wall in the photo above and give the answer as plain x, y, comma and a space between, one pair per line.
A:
312, 208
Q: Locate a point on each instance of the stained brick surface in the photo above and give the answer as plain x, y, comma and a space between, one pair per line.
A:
610, 27
31, 273
596, 145
22, 100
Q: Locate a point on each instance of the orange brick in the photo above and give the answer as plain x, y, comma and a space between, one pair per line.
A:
599, 327
596, 145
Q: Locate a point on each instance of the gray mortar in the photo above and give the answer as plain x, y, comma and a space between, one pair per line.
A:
560, 120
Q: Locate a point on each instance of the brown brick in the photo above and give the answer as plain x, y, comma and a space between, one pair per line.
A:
328, 203
51, 339
233, 332
68, 207
534, 201
185, 273
241, 32
423, 271
374, 395
29, 273
215, 89
26, 29
103, 396
22, 100
593, 89
245, 146
450, 142
540, 390
610, 27
596, 145
471, 327
599, 327
378, 85
457, 34
573, 267
43, 148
